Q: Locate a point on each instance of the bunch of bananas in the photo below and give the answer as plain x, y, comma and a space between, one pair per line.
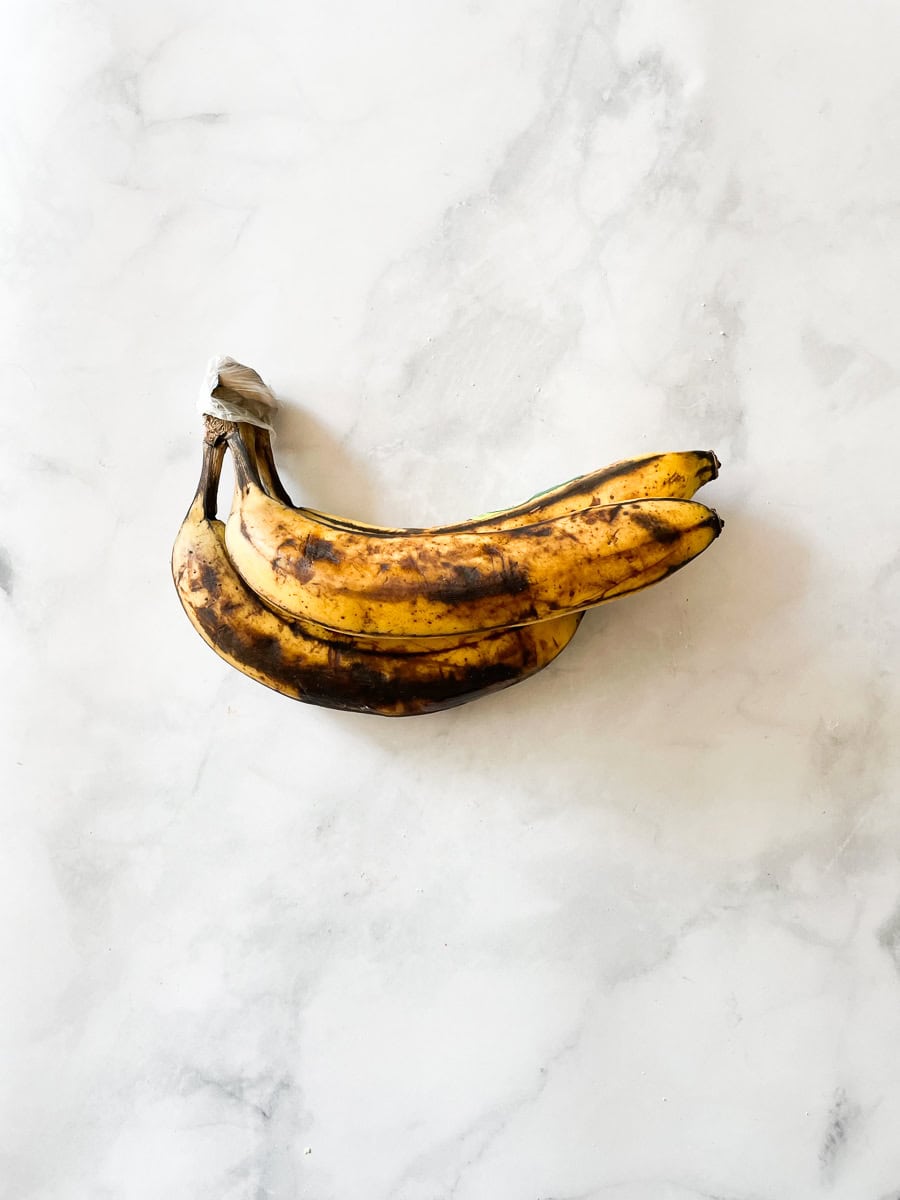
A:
404, 621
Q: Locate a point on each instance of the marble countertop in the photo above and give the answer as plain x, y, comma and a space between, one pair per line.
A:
628, 931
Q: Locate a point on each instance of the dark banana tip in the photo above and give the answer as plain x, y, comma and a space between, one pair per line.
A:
716, 522
716, 465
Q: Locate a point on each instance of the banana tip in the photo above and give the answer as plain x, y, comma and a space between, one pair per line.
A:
717, 466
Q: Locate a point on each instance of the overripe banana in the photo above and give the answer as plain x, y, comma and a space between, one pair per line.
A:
388, 583
675, 475
335, 670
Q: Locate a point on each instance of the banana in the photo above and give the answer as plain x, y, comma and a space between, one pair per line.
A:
676, 475
334, 670
449, 582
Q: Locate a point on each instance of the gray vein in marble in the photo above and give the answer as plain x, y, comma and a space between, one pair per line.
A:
569, 80
676, 1189
826, 361
260, 1096
849, 757
889, 937
852, 835
7, 575
200, 118
864, 376
488, 1127
887, 573
842, 1120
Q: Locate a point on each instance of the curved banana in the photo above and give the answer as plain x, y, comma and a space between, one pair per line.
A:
335, 671
421, 584
675, 475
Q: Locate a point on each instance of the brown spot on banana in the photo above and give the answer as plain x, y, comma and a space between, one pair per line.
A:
460, 583
300, 561
660, 530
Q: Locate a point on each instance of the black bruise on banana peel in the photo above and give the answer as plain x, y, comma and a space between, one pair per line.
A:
353, 686
302, 562
661, 531
363, 689
465, 583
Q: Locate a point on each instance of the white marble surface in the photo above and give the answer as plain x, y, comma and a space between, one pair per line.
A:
630, 931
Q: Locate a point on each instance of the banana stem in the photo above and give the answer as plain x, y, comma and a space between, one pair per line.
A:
208, 488
265, 461
245, 470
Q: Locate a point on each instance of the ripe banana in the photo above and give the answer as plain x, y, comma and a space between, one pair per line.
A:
387, 583
332, 669
676, 475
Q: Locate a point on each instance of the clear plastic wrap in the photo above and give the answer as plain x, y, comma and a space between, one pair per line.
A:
232, 392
